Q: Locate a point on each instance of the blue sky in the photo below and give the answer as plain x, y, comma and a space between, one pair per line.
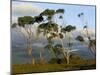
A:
70, 15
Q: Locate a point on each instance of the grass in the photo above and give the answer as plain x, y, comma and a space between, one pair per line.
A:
78, 64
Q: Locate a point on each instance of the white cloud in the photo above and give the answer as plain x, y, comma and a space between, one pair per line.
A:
90, 31
14, 19
25, 9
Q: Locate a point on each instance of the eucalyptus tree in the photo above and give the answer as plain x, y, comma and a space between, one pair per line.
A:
80, 38
26, 20
60, 13
59, 47
25, 27
83, 41
29, 21
47, 29
91, 43
66, 30
50, 29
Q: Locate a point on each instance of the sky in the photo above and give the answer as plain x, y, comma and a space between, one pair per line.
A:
70, 16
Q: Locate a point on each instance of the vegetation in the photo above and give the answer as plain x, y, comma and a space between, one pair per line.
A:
62, 58
91, 44
52, 66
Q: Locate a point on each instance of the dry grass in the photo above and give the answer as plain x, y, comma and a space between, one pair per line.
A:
53, 67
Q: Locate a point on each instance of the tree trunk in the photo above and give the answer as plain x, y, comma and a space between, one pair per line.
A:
64, 54
68, 62
41, 58
29, 47
69, 48
69, 43
53, 53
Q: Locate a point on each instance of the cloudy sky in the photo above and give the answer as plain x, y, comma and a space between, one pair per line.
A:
70, 15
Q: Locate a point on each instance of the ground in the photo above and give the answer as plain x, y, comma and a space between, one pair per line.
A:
53, 67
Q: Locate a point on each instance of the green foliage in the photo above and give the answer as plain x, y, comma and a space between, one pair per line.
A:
52, 35
68, 28
29, 20
79, 15
58, 49
84, 27
25, 20
60, 17
60, 11
61, 35
13, 25
48, 12
92, 42
80, 38
38, 19
47, 27
48, 46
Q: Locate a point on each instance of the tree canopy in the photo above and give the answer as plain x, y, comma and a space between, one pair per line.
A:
80, 38
68, 28
29, 20
60, 11
25, 20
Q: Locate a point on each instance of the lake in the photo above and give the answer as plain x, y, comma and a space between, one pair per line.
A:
19, 51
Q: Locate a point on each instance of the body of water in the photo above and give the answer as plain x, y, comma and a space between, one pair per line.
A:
19, 50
